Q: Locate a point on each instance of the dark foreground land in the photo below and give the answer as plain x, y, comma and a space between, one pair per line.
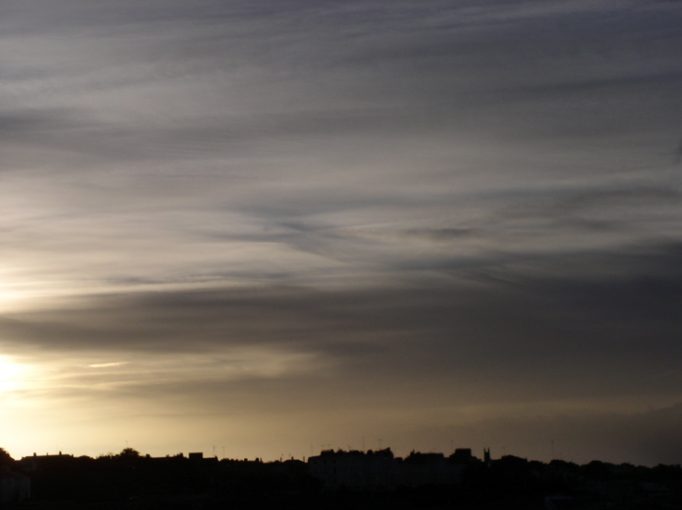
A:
336, 480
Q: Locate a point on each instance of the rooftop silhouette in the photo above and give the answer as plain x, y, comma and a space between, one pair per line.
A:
332, 479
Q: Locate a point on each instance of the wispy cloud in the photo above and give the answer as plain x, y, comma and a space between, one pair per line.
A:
411, 197
111, 364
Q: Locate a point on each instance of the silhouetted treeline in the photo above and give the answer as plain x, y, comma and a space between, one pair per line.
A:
335, 479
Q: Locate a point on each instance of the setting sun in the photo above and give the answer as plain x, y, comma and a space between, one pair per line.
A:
13, 375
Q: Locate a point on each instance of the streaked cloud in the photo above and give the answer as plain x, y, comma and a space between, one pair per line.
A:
340, 210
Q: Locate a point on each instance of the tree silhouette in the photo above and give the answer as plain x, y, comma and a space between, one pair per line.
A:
129, 453
5, 458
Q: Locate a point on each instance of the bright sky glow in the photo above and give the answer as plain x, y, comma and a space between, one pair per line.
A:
14, 376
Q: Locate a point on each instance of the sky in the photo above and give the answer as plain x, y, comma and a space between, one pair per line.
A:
263, 228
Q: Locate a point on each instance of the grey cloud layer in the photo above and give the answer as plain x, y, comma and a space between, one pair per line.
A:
442, 194
611, 318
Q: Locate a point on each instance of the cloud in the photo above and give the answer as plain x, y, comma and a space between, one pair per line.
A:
107, 365
582, 324
364, 203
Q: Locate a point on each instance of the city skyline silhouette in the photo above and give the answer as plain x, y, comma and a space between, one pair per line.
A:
262, 229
